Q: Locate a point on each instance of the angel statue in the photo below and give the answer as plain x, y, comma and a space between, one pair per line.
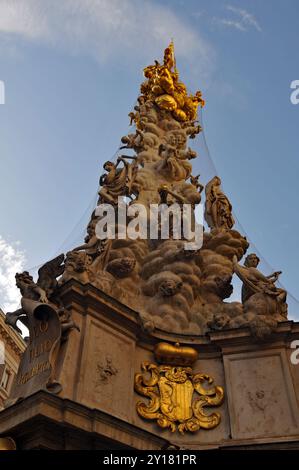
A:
259, 292
117, 181
218, 209
39, 292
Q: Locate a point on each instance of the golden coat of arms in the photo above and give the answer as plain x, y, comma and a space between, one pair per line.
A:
178, 397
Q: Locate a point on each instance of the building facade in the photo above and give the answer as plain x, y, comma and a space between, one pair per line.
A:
12, 346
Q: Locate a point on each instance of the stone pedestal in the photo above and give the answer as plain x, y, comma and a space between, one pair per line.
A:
96, 408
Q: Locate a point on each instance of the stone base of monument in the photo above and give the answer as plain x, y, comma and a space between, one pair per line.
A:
98, 405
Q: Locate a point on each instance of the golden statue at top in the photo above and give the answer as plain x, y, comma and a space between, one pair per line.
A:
163, 87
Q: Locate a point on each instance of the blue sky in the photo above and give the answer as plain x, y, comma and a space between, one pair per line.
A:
72, 70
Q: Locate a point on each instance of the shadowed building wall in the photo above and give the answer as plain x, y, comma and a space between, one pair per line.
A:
14, 346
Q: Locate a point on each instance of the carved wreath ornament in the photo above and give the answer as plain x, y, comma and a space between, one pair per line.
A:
171, 390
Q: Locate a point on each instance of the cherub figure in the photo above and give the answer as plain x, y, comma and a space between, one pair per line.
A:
117, 181
131, 141
194, 180
29, 289
191, 129
133, 118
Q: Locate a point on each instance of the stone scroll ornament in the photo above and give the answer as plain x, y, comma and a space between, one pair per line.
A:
48, 324
36, 370
177, 396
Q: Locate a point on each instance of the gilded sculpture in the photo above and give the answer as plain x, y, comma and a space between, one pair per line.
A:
168, 93
177, 396
171, 288
178, 291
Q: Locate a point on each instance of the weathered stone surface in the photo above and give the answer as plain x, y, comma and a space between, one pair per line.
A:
98, 397
261, 394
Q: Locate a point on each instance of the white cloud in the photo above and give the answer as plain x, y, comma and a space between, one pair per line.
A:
230, 23
12, 260
243, 20
105, 29
246, 18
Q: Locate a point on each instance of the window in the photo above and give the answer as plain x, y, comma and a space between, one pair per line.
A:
5, 380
